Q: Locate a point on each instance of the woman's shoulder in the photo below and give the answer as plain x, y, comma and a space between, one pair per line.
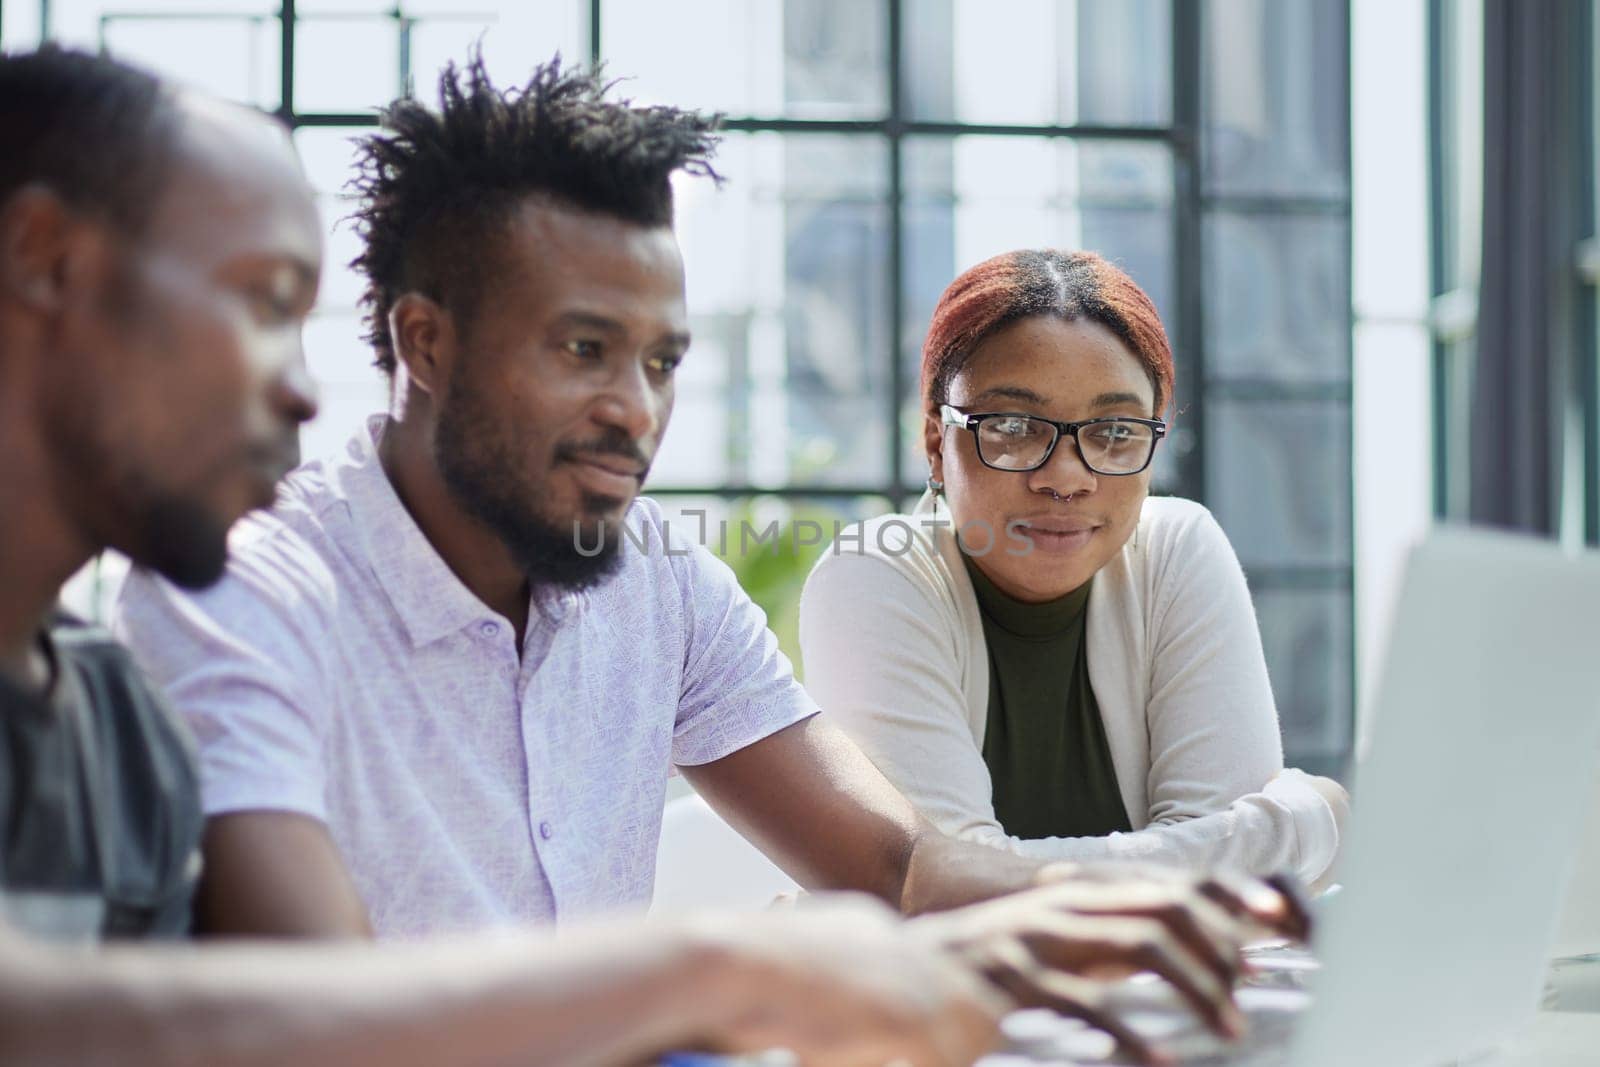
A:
900, 541
897, 550
1172, 511
1179, 543
1174, 523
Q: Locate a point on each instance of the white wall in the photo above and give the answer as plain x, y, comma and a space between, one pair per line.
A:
1392, 374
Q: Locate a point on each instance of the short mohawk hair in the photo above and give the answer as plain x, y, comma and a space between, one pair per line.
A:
436, 187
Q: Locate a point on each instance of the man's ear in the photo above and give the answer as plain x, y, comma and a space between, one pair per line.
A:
40, 240
423, 335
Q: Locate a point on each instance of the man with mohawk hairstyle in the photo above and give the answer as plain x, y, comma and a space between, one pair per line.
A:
424, 707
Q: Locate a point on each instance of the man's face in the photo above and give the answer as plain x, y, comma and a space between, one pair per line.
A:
181, 407
561, 390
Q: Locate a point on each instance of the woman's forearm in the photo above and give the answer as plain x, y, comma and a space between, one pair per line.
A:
1288, 826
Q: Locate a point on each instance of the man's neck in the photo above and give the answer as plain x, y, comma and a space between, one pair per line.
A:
40, 548
476, 555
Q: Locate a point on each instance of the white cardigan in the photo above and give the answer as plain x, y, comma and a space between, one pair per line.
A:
893, 650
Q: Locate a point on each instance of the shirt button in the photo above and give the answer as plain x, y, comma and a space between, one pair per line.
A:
546, 831
489, 629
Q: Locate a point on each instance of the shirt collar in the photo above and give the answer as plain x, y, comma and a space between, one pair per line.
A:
430, 600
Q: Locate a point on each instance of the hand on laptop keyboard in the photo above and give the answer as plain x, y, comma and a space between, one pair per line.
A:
1060, 945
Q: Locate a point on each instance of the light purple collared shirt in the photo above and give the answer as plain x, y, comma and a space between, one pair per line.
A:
341, 670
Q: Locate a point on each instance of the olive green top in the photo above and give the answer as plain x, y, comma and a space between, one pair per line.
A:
1045, 744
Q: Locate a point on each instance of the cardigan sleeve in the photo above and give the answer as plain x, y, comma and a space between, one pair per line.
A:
1214, 736
1217, 791
1218, 794
881, 654
880, 657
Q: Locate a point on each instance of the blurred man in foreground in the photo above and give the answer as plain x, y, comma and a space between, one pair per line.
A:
157, 259
437, 689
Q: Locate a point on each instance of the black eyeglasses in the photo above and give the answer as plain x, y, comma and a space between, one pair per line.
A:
1011, 441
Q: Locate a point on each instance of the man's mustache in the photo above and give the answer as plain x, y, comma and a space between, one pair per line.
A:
618, 444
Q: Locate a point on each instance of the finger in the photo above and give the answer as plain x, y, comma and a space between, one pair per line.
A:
1298, 921
1129, 1042
1083, 999
966, 1033
1211, 1000
1276, 904
1106, 946
1214, 937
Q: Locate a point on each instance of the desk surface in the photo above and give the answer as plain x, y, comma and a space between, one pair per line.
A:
1566, 1037
1556, 1039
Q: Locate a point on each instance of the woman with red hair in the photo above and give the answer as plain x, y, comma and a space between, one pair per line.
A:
1042, 656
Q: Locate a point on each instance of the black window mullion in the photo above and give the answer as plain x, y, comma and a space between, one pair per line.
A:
594, 33
896, 145
286, 22
1187, 203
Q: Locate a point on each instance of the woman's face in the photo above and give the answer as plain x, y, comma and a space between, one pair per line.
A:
1065, 371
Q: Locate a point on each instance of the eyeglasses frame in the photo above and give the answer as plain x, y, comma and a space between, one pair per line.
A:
950, 415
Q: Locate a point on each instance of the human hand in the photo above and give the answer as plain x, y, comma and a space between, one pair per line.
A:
1338, 801
1058, 946
841, 980
1266, 907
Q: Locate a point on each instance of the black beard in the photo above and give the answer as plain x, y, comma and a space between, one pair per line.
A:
171, 533
483, 475
179, 540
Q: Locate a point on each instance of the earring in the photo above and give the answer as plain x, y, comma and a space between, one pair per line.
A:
935, 486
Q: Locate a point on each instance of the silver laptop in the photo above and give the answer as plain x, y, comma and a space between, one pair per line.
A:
1578, 934
1483, 748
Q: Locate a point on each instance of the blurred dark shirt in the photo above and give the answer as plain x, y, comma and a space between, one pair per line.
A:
99, 799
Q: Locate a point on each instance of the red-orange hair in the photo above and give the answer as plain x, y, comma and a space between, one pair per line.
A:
1017, 285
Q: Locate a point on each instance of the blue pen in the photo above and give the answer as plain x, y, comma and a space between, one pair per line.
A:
708, 1059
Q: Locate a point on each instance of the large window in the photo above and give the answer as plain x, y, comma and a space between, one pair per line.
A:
876, 148
1470, 63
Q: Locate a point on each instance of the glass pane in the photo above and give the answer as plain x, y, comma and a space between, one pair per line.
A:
771, 543
787, 273
1277, 293
1278, 479
349, 387
514, 38
233, 57
328, 157
1276, 101
81, 22
345, 7
19, 26
815, 59
346, 64
1306, 635
969, 198
1040, 62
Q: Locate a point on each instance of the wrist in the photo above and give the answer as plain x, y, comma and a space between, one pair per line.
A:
711, 979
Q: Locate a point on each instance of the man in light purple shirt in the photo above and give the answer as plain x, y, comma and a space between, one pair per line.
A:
470, 776
420, 706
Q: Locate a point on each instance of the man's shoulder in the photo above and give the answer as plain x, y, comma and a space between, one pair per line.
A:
109, 762
93, 651
280, 581
292, 550
114, 690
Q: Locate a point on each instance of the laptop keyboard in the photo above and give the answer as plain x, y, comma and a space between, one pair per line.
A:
1271, 1002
